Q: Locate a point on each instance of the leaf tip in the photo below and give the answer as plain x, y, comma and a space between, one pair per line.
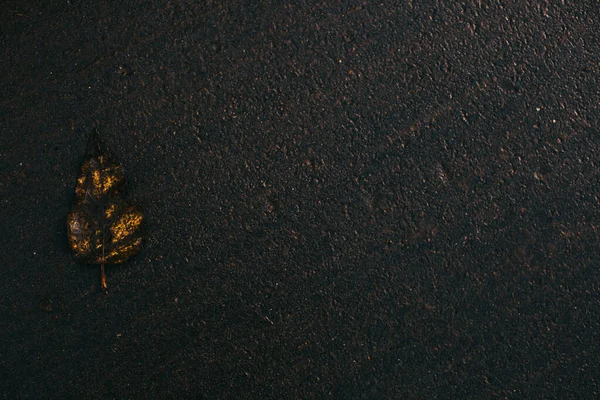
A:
93, 146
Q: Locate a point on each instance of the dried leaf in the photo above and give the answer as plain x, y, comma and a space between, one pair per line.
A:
102, 227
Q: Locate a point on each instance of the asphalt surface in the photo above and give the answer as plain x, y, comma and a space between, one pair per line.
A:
343, 200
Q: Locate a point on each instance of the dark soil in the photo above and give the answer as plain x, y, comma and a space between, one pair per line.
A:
343, 200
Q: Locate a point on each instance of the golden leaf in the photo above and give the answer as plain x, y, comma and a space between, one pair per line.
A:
102, 227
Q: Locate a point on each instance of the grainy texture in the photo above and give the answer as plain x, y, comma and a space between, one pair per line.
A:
353, 200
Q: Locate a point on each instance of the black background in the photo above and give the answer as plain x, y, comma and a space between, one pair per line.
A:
343, 199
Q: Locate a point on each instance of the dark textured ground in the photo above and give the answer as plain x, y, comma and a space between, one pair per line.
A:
345, 201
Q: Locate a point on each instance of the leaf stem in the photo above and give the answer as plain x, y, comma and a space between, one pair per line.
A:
102, 277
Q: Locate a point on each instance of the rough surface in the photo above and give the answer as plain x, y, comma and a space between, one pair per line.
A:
345, 200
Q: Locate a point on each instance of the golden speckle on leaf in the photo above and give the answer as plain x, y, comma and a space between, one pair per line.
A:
108, 212
126, 225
